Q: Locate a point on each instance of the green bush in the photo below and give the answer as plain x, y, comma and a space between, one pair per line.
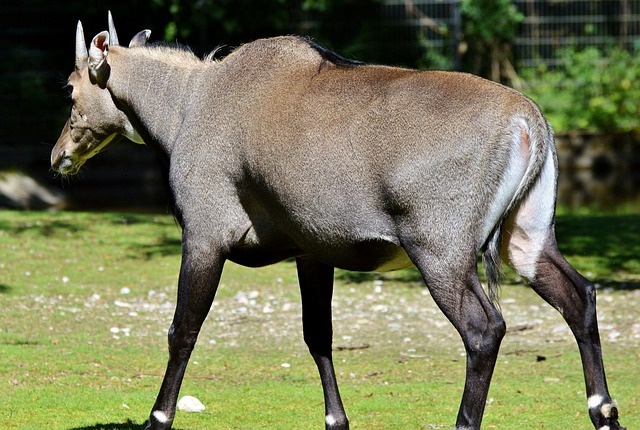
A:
593, 90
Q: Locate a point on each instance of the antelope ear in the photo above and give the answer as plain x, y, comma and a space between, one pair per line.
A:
140, 39
98, 51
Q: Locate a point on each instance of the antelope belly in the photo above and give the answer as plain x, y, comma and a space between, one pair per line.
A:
398, 260
373, 255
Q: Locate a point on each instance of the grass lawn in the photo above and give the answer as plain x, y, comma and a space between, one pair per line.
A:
86, 300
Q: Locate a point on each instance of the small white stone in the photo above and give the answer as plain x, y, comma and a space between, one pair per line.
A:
125, 290
190, 404
285, 365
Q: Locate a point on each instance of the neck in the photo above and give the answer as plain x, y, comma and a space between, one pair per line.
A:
153, 87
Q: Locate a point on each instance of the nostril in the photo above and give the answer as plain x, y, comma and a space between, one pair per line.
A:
58, 157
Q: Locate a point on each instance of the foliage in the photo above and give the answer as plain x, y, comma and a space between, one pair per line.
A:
482, 32
593, 90
205, 23
490, 26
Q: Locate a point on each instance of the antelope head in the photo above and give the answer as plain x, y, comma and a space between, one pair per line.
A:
96, 122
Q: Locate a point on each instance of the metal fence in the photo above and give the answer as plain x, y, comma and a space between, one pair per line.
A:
435, 22
547, 26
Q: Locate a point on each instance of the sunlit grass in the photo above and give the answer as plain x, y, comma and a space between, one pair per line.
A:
86, 300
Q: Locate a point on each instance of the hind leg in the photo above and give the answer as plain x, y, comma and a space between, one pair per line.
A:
458, 292
530, 247
574, 297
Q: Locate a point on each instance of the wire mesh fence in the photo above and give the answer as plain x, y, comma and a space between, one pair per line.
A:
550, 25
547, 26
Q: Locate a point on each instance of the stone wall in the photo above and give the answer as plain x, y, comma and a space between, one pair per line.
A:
601, 171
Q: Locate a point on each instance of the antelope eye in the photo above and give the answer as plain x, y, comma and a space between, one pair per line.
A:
69, 89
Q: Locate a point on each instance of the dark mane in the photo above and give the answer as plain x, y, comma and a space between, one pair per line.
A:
331, 56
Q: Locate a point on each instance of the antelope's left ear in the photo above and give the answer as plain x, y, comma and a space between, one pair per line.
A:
140, 39
98, 51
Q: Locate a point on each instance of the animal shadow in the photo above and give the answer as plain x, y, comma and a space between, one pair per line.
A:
114, 426
129, 425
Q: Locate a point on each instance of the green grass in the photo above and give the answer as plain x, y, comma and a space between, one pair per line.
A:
63, 364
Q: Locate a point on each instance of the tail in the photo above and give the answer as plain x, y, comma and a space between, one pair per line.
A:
534, 132
492, 263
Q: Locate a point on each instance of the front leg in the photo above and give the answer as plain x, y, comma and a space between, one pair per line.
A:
316, 287
199, 277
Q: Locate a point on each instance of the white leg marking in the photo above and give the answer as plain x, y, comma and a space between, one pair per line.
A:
160, 416
330, 420
604, 428
595, 401
606, 408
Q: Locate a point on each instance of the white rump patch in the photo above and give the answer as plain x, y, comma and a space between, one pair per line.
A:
532, 220
160, 416
510, 182
595, 401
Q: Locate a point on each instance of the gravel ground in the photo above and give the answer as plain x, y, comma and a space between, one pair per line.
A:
364, 314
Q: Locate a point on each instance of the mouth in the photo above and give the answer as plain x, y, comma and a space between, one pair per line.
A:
70, 163
66, 166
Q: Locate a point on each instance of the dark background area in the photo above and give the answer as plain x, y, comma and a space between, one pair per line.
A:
497, 39
37, 40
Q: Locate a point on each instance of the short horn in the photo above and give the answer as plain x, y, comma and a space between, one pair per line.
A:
113, 36
81, 48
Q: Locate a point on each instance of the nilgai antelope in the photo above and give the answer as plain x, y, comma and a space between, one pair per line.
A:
286, 150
